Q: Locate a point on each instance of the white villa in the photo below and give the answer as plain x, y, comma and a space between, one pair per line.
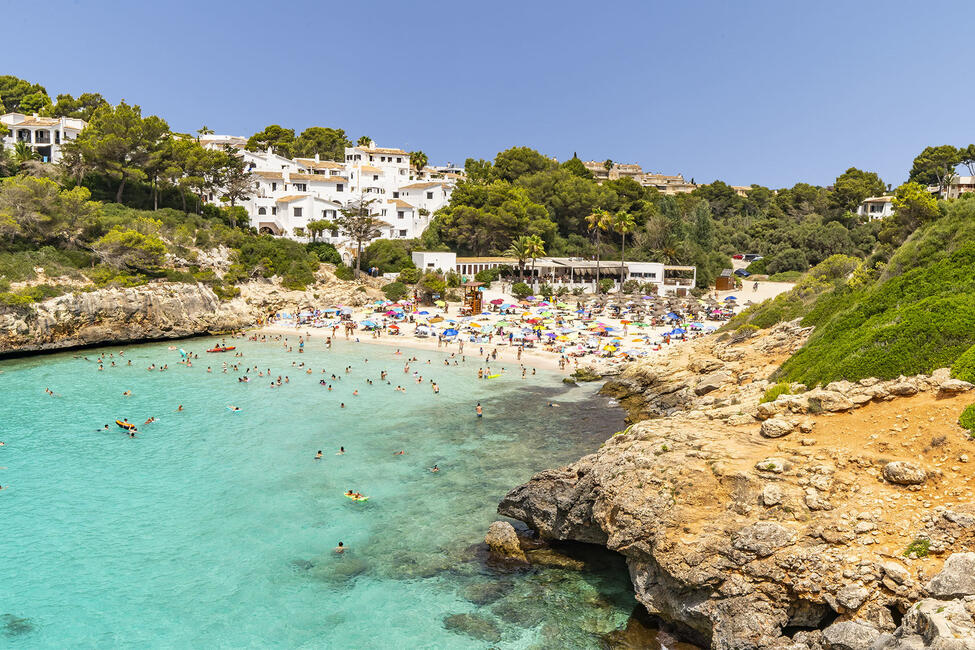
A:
43, 134
876, 207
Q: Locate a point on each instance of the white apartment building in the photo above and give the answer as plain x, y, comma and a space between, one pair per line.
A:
43, 134
289, 193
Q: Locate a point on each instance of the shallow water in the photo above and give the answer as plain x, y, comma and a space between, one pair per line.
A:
216, 529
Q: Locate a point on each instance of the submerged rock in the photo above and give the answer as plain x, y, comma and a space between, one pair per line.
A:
15, 625
474, 626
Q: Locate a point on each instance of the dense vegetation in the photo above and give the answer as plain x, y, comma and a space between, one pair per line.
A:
910, 314
59, 231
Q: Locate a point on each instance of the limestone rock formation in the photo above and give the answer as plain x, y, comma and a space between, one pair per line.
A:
503, 541
801, 541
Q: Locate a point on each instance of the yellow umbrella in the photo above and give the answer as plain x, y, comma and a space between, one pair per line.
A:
436, 319
477, 325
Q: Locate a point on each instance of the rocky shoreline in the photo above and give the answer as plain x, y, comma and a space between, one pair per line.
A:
841, 517
156, 311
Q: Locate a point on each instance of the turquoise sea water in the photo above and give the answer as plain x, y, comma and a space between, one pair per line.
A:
215, 529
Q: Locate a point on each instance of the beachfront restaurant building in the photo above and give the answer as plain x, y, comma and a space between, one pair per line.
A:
569, 272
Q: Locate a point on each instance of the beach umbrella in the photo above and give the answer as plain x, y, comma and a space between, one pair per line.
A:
423, 313
477, 325
439, 303
730, 299
450, 332
497, 301
436, 319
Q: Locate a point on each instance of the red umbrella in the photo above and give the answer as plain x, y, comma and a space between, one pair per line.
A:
497, 301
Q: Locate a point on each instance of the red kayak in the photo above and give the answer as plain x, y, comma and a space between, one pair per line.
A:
223, 348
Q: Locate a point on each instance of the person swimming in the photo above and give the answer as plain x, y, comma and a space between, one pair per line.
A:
340, 451
340, 548
399, 453
435, 468
318, 456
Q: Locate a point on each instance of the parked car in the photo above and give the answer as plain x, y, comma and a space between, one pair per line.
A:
742, 273
752, 257
738, 256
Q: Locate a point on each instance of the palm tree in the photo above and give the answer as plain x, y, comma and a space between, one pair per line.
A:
203, 130
520, 249
318, 226
536, 248
623, 223
607, 164
24, 152
418, 160
598, 221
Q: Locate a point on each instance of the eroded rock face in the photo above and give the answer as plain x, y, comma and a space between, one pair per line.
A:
155, 311
776, 428
850, 635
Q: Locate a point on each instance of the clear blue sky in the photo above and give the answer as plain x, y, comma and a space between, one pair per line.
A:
770, 92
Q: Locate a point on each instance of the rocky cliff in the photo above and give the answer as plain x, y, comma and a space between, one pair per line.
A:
812, 521
158, 311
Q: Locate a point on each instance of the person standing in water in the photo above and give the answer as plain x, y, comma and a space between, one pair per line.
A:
479, 410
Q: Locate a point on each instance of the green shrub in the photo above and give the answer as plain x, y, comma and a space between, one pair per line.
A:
757, 267
967, 419
772, 392
744, 332
325, 252
343, 272
395, 291
631, 286
964, 366
786, 276
409, 276
545, 289
918, 548
790, 259
487, 276
520, 290
605, 285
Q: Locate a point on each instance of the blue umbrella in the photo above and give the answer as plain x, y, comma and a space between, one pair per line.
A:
450, 332
672, 315
678, 330
730, 298
424, 313
368, 323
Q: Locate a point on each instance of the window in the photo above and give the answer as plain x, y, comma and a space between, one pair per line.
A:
399, 159
301, 187
375, 177
371, 158
399, 214
384, 212
262, 211
274, 210
429, 195
339, 187
297, 212
335, 232
402, 233
402, 172
274, 186
395, 195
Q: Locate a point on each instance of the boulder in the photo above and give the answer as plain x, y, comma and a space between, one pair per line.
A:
763, 538
776, 428
852, 596
712, 382
953, 387
936, 624
902, 472
772, 495
828, 400
956, 578
474, 626
503, 541
902, 388
850, 635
